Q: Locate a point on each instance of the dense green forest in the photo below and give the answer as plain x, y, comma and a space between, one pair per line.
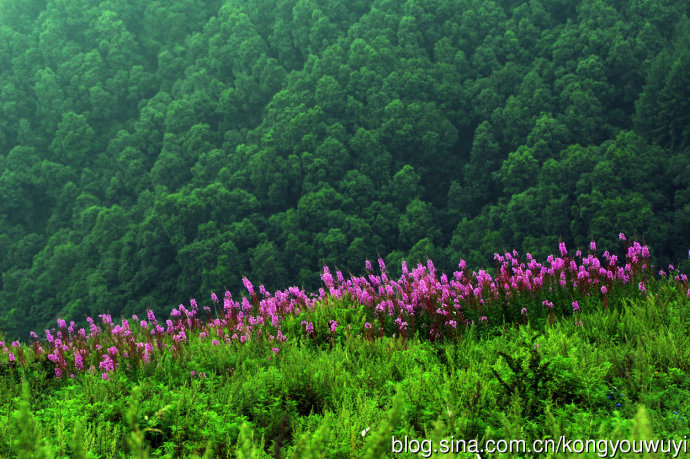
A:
154, 150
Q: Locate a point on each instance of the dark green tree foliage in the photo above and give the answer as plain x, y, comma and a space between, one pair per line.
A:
153, 151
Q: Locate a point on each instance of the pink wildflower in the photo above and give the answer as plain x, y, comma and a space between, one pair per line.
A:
248, 285
78, 361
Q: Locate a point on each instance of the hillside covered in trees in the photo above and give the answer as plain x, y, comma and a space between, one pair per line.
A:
153, 151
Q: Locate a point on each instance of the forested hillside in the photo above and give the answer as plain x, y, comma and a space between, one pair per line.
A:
152, 151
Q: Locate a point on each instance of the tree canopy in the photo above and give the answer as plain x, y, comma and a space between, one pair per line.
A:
153, 151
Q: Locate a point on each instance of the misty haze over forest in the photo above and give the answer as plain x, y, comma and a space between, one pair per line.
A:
155, 151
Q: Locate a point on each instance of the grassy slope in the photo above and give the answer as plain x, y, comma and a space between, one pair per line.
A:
598, 376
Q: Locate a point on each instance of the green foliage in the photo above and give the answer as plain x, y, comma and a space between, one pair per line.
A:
622, 374
531, 380
27, 439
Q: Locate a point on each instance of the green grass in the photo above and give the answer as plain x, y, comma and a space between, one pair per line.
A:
623, 374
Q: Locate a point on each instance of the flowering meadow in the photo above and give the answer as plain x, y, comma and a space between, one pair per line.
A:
526, 344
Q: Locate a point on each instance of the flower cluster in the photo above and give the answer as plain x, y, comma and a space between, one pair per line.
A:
422, 301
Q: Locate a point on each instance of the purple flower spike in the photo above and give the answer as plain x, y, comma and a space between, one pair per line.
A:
248, 285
